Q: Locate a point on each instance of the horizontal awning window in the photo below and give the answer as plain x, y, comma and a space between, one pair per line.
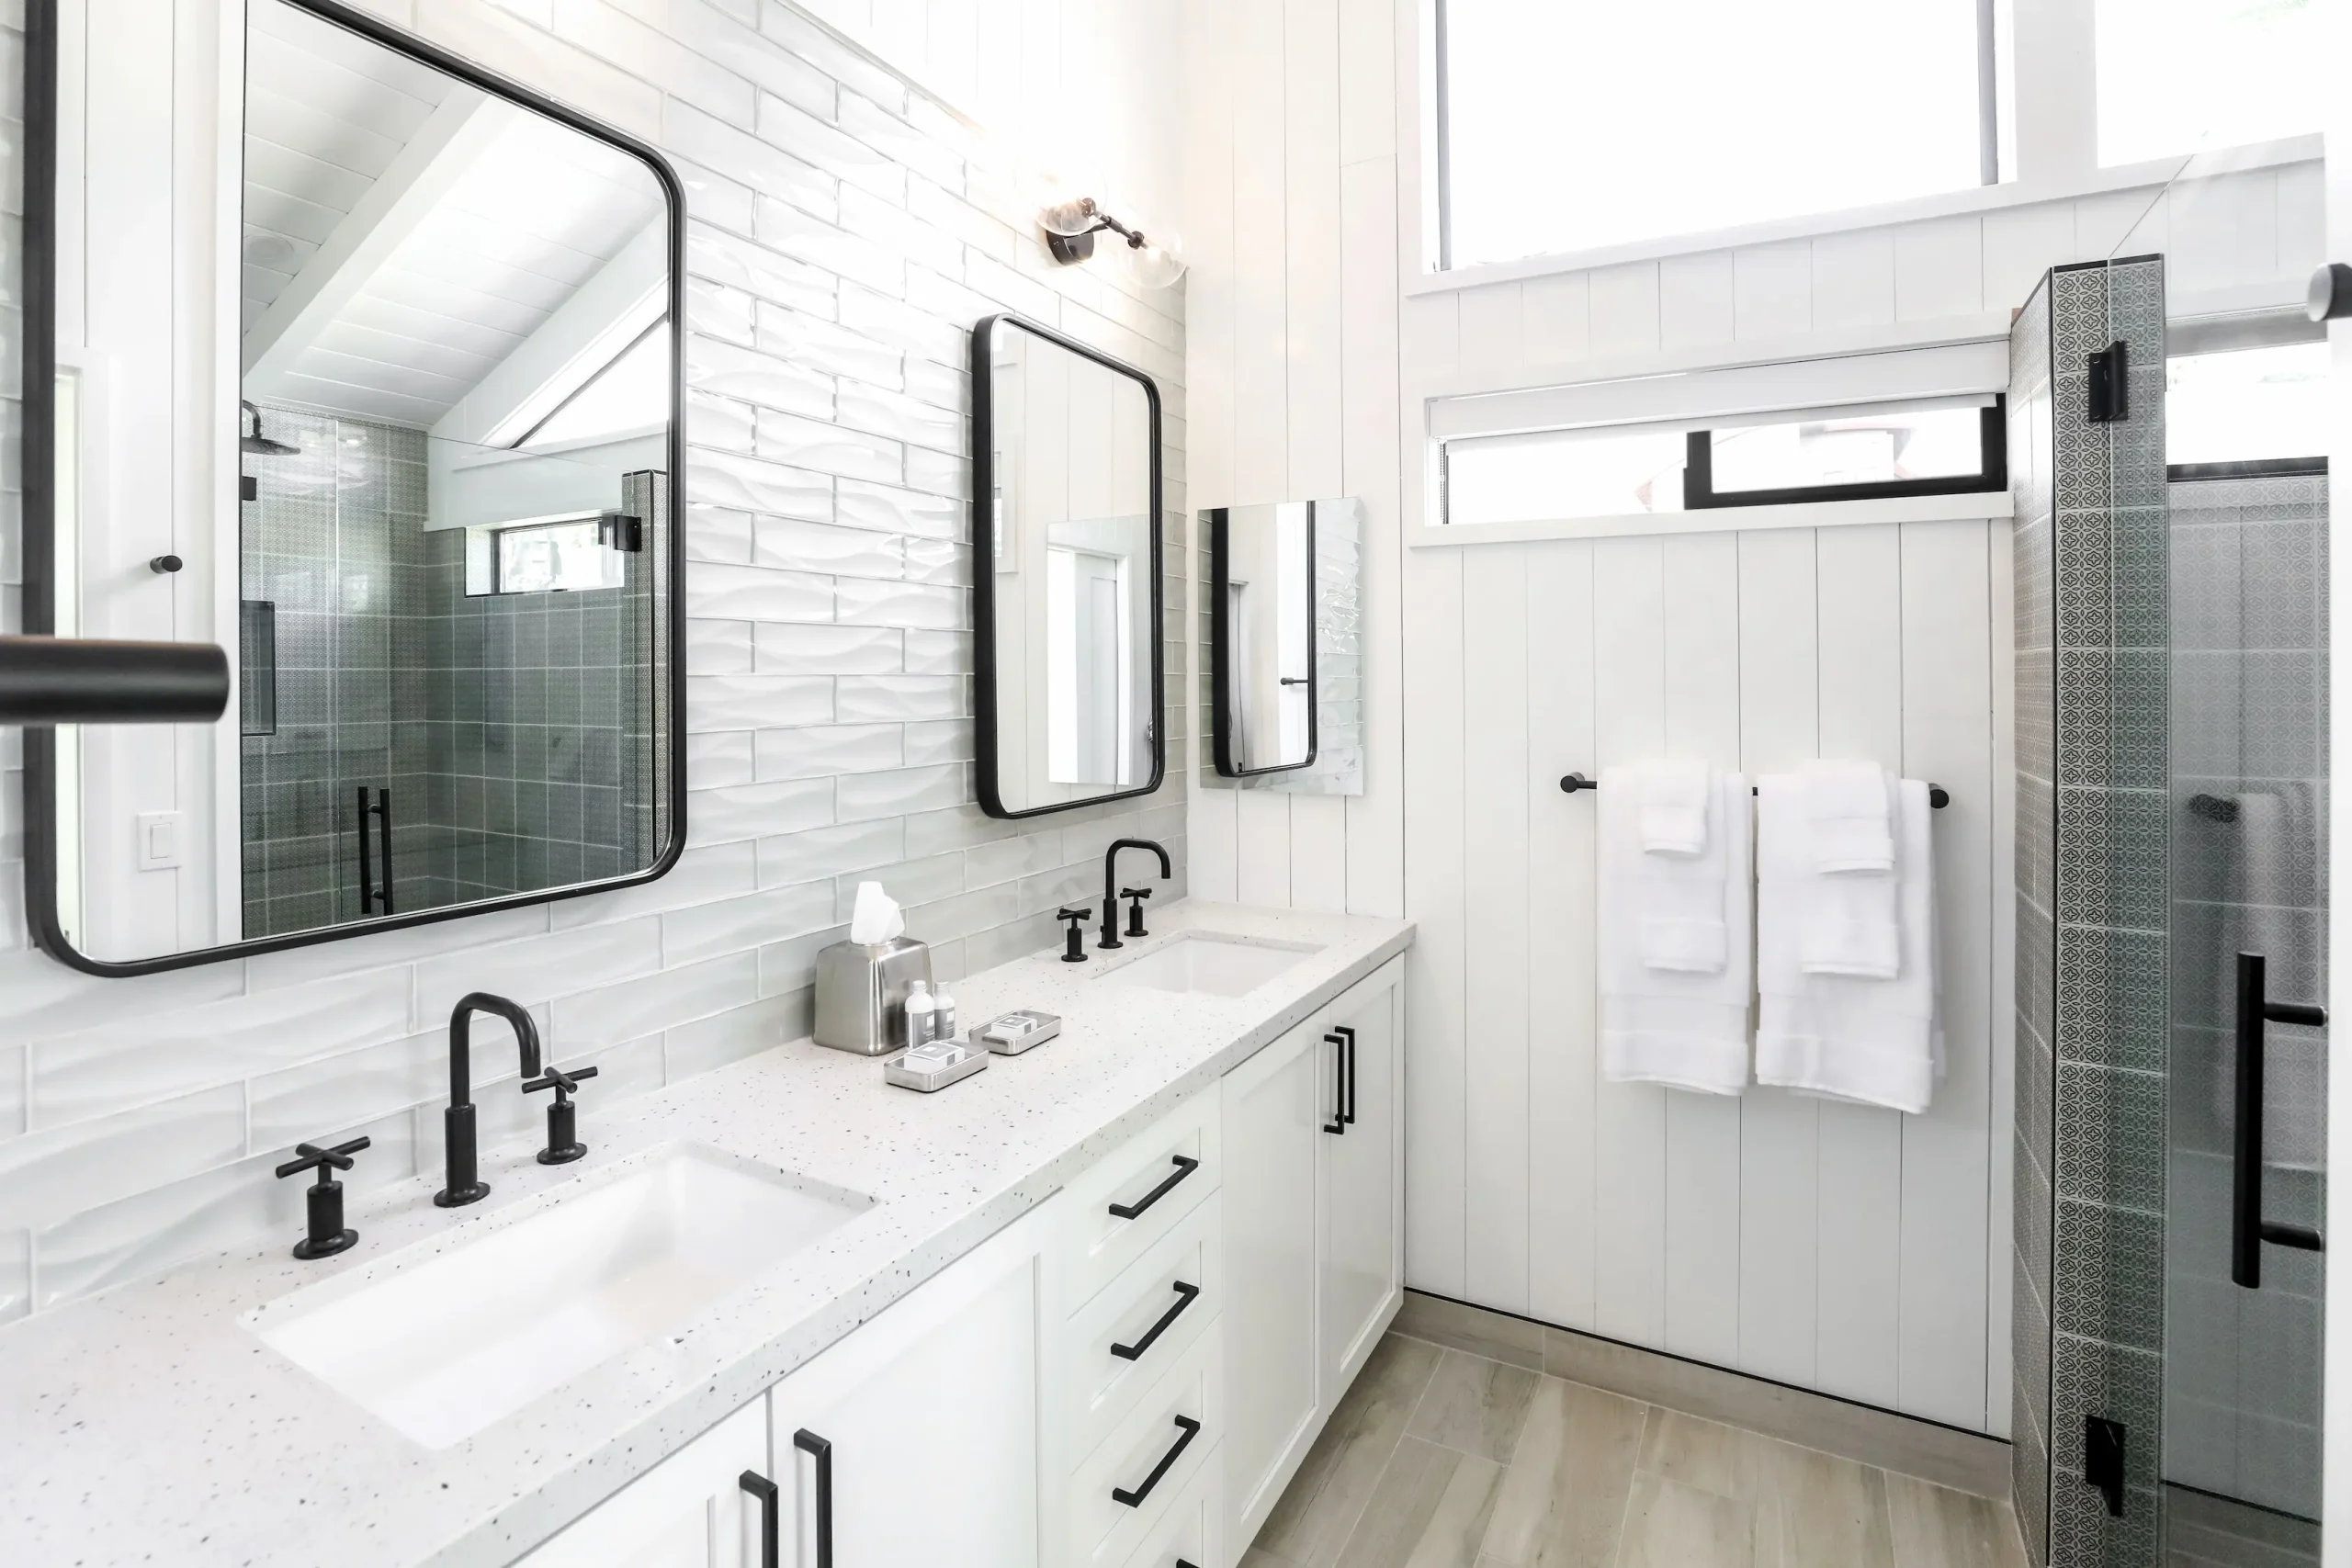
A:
1712, 399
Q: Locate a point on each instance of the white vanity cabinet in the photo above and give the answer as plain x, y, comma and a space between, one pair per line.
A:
921, 1425
689, 1511
1125, 1377
1313, 1144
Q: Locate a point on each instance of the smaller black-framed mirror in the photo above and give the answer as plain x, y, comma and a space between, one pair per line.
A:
1263, 637
1067, 598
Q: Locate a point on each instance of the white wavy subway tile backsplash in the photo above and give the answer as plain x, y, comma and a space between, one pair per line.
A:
836, 265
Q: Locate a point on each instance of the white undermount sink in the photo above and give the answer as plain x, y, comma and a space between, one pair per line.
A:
444, 1342
1214, 966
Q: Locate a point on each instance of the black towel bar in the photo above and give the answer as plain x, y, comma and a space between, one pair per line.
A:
1938, 797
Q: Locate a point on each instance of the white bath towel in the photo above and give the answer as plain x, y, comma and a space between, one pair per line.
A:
1674, 805
1848, 806
1875, 1041
1682, 1028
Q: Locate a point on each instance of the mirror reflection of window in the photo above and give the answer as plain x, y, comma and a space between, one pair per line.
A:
1070, 601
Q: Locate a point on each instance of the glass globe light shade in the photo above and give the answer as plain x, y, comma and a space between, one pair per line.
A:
1158, 262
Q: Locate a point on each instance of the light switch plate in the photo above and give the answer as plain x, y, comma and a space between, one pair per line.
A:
158, 839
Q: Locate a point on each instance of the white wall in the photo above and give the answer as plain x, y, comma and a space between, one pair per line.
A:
829, 657
1291, 211
1855, 1251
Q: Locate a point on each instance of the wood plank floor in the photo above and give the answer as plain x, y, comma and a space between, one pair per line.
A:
1440, 1458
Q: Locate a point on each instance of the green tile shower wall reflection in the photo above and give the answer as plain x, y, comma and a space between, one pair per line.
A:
513, 732
2094, 910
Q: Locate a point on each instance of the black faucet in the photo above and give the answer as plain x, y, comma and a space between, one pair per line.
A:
460, 1185
1110, 937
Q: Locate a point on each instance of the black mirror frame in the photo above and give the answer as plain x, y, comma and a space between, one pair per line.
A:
1221, 673
984, 573
38, 360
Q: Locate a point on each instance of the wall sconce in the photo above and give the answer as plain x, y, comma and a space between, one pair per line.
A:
1070, 227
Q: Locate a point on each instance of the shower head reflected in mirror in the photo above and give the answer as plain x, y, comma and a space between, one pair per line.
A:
250, 439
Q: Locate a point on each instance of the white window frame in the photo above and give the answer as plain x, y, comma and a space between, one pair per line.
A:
2046, 59
1696, 396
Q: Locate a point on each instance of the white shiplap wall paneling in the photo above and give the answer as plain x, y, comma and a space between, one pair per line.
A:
1500, 990
1435, 875
1562, 663
1702, 647
1629, 597
1780, 1134
1948, 636
1859, 617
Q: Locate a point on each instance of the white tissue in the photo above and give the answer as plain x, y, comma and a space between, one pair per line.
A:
876, 917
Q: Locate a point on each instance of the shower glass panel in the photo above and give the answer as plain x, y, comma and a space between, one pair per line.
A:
2239, 407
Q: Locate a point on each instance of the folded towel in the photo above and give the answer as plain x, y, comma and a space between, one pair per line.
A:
1673, 798
1680, 904
1847, 805
1685, 1028
1849, 921
1852, 1037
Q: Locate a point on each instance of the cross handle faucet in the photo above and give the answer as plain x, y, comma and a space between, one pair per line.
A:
1110, 937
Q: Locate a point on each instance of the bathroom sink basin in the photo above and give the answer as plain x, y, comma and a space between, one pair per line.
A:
1217, 966
442, 1340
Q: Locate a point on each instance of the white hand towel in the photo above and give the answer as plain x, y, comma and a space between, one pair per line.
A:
1872, 1040
1674, 800
1847, 805
1680, 904
1684, 1029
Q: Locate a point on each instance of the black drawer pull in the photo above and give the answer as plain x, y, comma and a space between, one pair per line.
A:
760, 1487
1337, 1124
1186, 1166
1184, 1295
1190, 1428
807, 1442
1345, 1038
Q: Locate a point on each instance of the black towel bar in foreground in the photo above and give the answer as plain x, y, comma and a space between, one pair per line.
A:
46, 680
1938, 797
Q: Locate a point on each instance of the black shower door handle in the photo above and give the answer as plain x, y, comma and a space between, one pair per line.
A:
2248, 1229
375, 893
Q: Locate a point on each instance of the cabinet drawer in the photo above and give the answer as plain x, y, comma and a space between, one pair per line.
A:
1137, 1326
1133, 1196
1118, 1493
1189, 1534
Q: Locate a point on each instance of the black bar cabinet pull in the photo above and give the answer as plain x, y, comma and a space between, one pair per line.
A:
1338, 1125
1938, 797
1184, 1296
63, 680
1189, 1429
1185, 1165
2248, 1229
763, 1490
807, 1442
1344, 1036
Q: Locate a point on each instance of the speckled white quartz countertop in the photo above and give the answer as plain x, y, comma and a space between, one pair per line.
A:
147, 1425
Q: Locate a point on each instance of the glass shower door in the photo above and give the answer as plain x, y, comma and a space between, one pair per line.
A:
2249, 840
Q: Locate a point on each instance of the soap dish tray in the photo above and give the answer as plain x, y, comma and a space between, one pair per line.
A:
925, 1069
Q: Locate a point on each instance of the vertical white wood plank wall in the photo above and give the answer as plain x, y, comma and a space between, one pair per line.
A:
1291, 219
1827, 1245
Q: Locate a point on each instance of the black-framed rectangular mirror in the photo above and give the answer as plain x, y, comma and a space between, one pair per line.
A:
1066, 561
1262, 637
364, 370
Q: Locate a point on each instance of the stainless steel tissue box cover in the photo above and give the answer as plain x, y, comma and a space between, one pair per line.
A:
862, 992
